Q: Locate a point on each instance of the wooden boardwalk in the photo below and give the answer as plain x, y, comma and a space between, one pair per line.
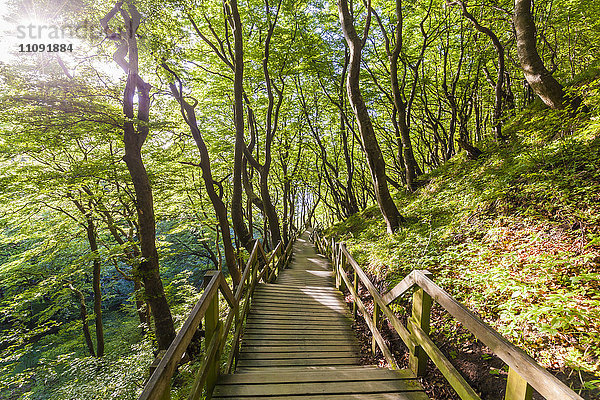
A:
298, 343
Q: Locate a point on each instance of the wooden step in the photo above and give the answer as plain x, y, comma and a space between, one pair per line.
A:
281, 316
298, 325
291, 288
325, 303
316, 347
298, 361
345, 313
286, 355
297, 341
320, 383
294, 287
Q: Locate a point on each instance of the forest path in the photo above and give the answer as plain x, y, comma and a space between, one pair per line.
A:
298, 343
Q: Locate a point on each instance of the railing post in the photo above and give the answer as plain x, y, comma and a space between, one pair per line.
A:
421, 308
211, 322
376, 315
332, 249
166, 395
355, 284
517, 388
342, 268
336, 264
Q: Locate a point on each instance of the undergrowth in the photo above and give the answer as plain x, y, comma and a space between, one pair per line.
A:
514, 235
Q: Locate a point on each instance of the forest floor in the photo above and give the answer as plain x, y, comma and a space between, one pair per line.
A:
515, 236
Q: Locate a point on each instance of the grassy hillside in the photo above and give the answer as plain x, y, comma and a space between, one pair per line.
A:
514, 235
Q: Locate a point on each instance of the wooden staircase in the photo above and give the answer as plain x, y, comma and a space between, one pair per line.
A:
298, 343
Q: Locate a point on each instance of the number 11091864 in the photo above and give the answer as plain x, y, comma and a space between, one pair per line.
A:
50, 48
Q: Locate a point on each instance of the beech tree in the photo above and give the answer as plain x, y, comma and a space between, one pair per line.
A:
539, 78
390, 212
135, 132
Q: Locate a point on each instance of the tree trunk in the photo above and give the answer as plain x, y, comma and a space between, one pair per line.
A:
148, 269
135, 132
539, 78
410, 164
237, 216
141, 307
91, 234
83, 315
271, 128
372, 150
90, 229
270, 211
499, 93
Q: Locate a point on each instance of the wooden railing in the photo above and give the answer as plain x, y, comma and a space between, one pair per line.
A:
260, 267
524, 373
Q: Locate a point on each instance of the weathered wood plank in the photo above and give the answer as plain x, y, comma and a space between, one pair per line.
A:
340, 374
517, 388
322, 388
274, 311
313, 295
295, 287
306, 307
296, 362
301, 302
305, 282
300, 348
399, 289
288, 288
302, 317
311, 325
290, 305
294, 334
451, 374
255, 355
362, 396
274, 341
305, 368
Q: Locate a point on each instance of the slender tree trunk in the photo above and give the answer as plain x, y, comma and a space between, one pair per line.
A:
410, 164
352, 207
141, 307
91, 234
539, 78
271, 128
270, 211
372, 150
348, 153
83, 315
286, 194
499, 93
90, 228
237, 216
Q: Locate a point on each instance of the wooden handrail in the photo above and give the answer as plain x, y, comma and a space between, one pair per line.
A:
523, 371
538, 377
159, 382
216, 331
